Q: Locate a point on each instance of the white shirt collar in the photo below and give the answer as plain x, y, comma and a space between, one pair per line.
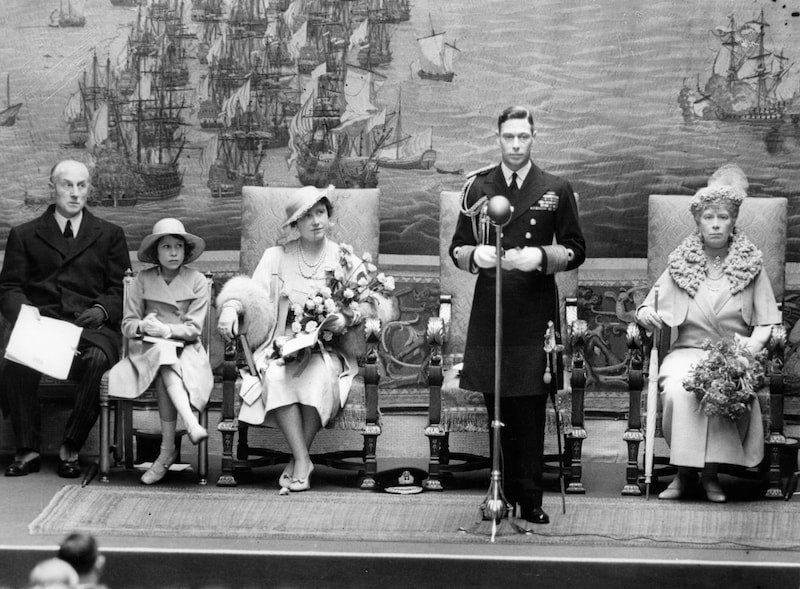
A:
521, 173
75, 221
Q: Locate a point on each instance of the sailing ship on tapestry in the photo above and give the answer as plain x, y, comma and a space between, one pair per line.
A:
70, 13
300, 75
8, 116
747, 81
131, 116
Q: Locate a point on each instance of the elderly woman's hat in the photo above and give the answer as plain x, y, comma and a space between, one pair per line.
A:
302, 200
147, 250
726, 187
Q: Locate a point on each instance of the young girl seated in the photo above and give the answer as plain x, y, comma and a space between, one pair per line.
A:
163, 318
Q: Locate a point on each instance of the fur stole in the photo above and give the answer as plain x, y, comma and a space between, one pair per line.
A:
688, 263
258, 311
259, 314
354, 341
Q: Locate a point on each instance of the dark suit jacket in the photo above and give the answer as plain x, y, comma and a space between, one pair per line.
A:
529, 298
62, 279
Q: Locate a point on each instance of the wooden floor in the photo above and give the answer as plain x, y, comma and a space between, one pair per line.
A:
211, 562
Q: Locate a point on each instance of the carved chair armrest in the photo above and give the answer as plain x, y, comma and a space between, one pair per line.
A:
776, 348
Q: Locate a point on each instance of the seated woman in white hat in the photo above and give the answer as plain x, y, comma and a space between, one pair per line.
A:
303, 394
163, 318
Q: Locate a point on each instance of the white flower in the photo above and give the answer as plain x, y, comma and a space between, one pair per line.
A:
348, 294
362, 281
372, 268
311, 326
310, 304
330, 306
318, 300
325, 292
297, 310
381, 277
327, 335
389, 285
297, 327
367, 257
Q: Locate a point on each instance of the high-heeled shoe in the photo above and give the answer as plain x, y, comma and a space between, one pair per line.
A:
678, 486
298, 485
20, 468
197, 434
714, 492
286, 476
157, 471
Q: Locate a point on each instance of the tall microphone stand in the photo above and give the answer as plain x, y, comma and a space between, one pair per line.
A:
495, 507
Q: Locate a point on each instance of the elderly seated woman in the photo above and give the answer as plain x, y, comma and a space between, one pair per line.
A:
714, 288
303, 392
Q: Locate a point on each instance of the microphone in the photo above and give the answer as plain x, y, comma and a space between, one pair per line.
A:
499, 210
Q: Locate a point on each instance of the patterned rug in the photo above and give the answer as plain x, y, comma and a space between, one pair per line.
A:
425, 517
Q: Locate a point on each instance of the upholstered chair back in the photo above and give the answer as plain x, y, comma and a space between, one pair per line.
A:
763, 220
355, 221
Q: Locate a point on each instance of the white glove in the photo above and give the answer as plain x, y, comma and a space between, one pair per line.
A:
648, 318
151, 325
485, 256
525, 259
228, 323
335, 323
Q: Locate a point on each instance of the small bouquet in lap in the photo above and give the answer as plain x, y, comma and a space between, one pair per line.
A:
352, 291
726, 381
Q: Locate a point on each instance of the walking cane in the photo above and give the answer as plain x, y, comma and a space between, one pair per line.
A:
652, 403
551, 348
495, 507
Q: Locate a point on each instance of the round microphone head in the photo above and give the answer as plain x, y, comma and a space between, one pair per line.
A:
499, 210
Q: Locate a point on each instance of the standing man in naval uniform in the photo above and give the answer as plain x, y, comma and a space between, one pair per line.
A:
543, 237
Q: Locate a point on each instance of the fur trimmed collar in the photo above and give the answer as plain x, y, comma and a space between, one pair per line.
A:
688, 263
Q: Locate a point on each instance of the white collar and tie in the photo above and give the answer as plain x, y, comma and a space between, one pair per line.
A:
521, 174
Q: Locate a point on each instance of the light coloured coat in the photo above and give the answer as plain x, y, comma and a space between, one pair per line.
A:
182, 304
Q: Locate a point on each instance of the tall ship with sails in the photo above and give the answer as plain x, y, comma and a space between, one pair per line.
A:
404, 151
438, 57
745, 81
8, 116
71, 15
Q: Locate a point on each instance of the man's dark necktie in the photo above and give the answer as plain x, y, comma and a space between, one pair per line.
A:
68, 230
513, 185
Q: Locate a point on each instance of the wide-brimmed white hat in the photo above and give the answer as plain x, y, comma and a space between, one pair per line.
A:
164, 227
301, 201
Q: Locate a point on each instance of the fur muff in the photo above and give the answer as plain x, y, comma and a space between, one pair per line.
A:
353, 342
258, 314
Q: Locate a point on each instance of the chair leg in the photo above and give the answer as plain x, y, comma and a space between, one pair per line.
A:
774, 491
370, 433
575, 470
202, 450
126, 408
633, 439
436, 439
105, 436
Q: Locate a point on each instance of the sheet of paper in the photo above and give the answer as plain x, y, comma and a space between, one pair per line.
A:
43, 343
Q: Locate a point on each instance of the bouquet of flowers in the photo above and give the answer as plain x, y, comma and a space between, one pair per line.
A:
330, 310
726, 380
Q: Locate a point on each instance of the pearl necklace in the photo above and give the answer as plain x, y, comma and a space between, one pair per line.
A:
714, 270
301, 260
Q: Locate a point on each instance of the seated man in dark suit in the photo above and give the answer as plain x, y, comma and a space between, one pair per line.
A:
69, 264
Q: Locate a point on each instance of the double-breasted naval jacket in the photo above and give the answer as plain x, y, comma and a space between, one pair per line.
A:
546, 216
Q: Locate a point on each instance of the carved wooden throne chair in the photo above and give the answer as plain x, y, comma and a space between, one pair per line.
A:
453, 409
356, 222
763, 220
137, 419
